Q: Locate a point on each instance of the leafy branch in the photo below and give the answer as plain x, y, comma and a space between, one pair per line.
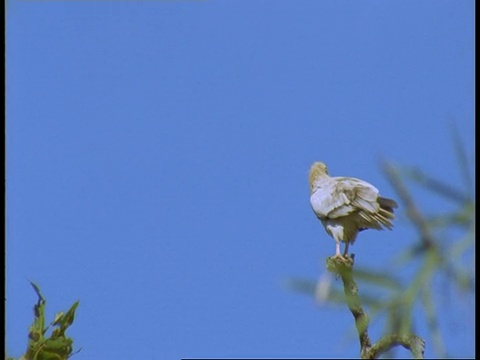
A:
411, 342
57, 346
442, 251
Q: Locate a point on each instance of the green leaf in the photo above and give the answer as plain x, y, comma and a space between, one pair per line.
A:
57, 346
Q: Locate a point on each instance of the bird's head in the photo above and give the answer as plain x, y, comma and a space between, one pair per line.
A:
317, 170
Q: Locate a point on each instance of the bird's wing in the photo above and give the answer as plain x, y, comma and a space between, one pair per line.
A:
342, 196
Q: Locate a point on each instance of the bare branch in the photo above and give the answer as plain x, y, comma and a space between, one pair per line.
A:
413, 343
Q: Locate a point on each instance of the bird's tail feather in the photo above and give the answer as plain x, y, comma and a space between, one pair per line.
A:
387, 204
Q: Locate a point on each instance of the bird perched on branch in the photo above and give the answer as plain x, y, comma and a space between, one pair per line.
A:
346, 206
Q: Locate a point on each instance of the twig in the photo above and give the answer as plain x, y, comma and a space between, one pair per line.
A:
437, 186
412, 210
416, 345
413, 343
462, 159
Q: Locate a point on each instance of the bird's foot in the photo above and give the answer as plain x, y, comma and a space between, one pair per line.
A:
338, 264
340, 257
345, 258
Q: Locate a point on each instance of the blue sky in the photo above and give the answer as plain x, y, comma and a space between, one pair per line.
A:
157, 159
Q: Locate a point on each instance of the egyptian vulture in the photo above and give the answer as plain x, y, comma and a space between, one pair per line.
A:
347, 205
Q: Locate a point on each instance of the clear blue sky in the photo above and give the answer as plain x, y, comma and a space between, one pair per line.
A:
157, 159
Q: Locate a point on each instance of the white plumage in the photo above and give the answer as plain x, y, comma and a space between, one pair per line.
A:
346, 206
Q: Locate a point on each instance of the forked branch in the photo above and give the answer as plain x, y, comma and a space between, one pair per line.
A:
413, 343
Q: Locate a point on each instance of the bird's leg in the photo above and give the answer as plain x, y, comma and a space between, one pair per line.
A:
345, 252
337, 251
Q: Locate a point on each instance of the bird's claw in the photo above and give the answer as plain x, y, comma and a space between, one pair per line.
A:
343, 257
340, 257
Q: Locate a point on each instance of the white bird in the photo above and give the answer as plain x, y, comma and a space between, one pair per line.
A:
347, 205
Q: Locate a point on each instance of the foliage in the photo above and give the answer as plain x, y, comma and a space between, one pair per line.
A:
57, 346
416, 345
443, 252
